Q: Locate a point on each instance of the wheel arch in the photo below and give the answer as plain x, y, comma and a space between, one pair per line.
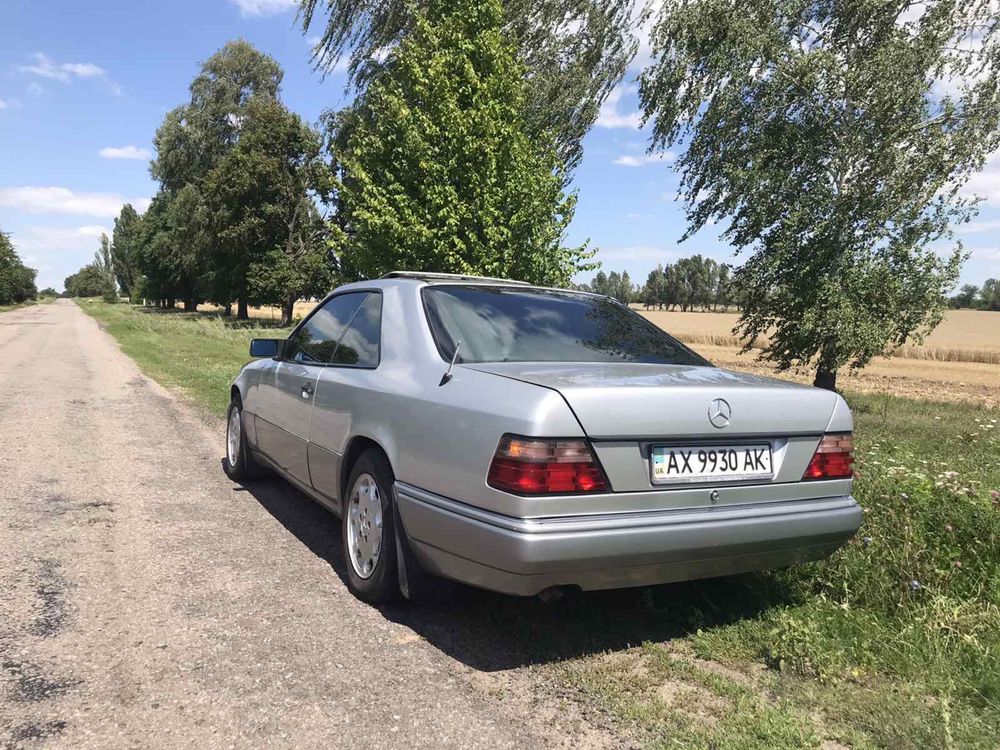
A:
358, 445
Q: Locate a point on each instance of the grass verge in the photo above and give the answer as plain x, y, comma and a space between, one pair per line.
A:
198, 353
894, 642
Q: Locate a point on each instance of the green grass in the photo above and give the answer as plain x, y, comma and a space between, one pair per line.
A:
847, 652
894, 642
197, 353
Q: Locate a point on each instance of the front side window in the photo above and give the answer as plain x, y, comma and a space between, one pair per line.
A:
316, 340
512, 324
360, 344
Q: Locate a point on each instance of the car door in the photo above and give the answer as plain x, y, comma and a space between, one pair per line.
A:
283, 421
341, 391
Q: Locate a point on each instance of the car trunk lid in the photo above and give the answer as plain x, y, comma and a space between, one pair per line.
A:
652, 401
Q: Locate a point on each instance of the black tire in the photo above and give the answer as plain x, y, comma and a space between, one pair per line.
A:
415, 584
241, 466
380, 584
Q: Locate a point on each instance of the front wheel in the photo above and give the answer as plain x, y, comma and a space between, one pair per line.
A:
238, 463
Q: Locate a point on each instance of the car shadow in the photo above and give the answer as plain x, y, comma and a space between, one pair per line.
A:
489, 631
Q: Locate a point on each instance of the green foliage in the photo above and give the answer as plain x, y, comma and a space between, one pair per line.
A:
822, 134
615, 285
89, 281
689, 283
104, 263
235, 217
125, 250
268, 237
17, 281
575, 52
989, 295
172, 239
440, 172
48, 292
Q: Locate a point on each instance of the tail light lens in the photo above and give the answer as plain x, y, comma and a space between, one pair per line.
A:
833, 459
545, 467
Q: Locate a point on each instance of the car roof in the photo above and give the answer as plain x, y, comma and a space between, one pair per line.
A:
421, 279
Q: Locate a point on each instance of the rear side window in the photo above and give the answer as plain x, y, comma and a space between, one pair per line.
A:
316, 340
360, 344
513, 324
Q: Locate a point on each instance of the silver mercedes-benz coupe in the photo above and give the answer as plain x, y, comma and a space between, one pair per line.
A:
526, 440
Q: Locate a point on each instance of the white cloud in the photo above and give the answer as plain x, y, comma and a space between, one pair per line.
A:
125, 152
257, 8
46, 67
59, 200
986, 183
35, 88
633, 215
3, 104
627, 160
984, 253
39, 241
609, 115
979, 226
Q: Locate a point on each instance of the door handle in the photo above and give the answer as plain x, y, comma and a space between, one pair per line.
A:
307, 389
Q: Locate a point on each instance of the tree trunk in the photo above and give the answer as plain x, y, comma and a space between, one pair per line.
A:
228, 312
825, 378
171, 303
241, 310
191, 305
287, 310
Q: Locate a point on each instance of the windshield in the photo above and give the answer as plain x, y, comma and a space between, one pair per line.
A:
511, 324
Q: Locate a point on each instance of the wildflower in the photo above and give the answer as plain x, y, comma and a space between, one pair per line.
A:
867, 540
903, 496
915, 585
947, 527
957, 563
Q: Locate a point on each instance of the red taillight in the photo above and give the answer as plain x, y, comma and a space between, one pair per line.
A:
545, 467
833, 459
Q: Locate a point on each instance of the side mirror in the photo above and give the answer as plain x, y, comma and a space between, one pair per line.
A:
266, 347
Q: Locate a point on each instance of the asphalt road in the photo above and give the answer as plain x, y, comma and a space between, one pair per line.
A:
147, 601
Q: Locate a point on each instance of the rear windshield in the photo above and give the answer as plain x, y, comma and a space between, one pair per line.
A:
510, 324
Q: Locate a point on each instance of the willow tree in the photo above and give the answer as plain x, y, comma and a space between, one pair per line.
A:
831, 141
575, 52
440, 170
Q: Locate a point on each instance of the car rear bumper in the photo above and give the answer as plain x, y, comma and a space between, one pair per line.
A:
519, 556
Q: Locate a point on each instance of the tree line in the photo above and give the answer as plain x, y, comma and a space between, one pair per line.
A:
689, 283
819, 140
986, 297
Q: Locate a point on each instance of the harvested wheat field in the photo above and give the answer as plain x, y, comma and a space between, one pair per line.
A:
959, 361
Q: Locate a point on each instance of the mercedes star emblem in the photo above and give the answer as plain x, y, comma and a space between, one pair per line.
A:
719, 413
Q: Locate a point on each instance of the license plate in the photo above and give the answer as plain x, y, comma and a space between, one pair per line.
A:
724, 463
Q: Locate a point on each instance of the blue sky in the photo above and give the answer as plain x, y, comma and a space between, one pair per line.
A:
83, 87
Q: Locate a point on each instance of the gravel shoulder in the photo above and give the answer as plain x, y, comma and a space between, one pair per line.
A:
146, 600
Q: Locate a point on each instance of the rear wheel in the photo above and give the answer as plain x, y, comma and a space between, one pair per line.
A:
368, 530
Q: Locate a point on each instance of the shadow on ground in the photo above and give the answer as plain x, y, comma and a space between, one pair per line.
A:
490, 632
